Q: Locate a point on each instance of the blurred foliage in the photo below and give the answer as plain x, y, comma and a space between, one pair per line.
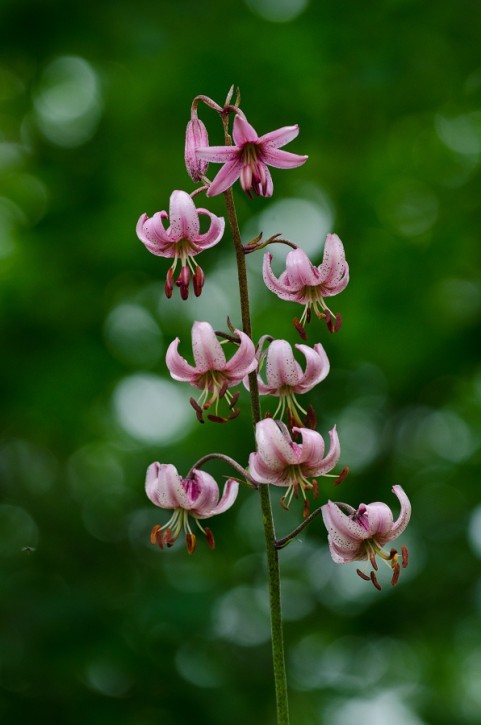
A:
99, 627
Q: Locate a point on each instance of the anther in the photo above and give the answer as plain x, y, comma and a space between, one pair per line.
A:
341, 476
307, 507
300, 329
372, 559
363, 576
198, 409
210, 537
395, 575
223, 389
153, 535
404, 552
198, 279
375, 581
190, 542
234, 400
283, 503
217, 419
310, 420
315, 488
169, 283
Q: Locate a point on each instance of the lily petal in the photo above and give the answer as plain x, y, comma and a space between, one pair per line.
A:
213, 234
317, 367
244, 360
243, 132
274, 444
218, 154
229, 496
404, 515
178, 366
279, 137
207, 492
208, 353
227, 175
281, 368
282, 159
184, 221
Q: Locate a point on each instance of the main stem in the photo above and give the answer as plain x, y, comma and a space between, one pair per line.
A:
280, 679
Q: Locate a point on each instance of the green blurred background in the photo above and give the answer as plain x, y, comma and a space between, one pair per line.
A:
97, 626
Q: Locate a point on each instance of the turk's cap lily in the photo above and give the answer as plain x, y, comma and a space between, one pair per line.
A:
197, 497
181, 240
307, 284
212, 373
282, 462
356, 535
250, 155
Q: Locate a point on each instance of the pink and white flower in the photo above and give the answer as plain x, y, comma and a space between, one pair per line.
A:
249, 157
181, 240
308, 285
196, 497
361, 534
282, 462
211, 373
285, 377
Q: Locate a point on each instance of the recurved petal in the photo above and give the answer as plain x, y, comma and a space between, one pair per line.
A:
213, 234
404, 515
227, 176
300, 270
263, 473
243, 361
243, 132
281, 368
282, 159
317, 367
279, 137
334, 269
284, 291
178, 366
205, 492
152, 233
274, 444
229, 496
161, 485
378, 517
184, 220
352, 551
346, 533
208, 353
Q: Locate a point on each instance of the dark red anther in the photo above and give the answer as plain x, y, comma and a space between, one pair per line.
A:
338, 322
392, 554
308, 315
395, 574
234, 400
300, 329
154, 539
168, 538
315, 488
363, 576
197, 408
341, 476
372, 559
234, 414
169, 283
190, 542
223, 389
306, 510
283, 503
375, 581
404, 552
210, 538
217, 419
310, 420
198, 279
183, 282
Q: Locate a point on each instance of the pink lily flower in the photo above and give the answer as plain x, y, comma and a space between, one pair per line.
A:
282, 462
181, 240
212, 373
304, 283
285, 377
362, 534
197, 496
249, 157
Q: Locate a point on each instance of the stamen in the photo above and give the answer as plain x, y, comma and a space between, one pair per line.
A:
307, 507
153, 535
372, 559
210, 538
404, 552
363, 576
315, 488
223, 389
217, 418
198, 280
190, 541
234, 400
396, 573
169, 539
198, 409
338, 323
375, 581
310, 420
169, 283
341, 476
283, 503
299, 327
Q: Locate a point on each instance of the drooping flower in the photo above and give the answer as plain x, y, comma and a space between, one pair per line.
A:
196, 497
249, 157
285, 377
304, 283
362, 534
182, 240
195, 137
212, 373
282, 462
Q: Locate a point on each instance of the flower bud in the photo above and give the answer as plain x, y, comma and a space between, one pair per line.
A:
195, 136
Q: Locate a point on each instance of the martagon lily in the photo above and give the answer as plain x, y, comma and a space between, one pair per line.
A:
304, 283
249, 157
285, 377
362, 534
212, 373
197, 497
182, 240
282, 462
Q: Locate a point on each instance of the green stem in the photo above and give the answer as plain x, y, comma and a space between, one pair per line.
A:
280, 679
